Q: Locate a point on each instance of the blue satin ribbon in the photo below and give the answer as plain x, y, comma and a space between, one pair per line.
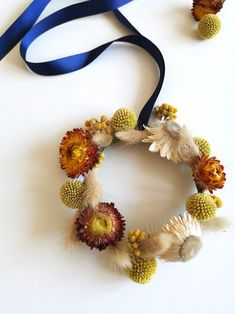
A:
24, 29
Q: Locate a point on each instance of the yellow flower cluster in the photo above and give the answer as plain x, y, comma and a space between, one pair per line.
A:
104, 125
134, 239
165, 112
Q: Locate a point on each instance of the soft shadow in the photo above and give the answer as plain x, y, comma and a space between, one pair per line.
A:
183, 21
158, 189
45, 178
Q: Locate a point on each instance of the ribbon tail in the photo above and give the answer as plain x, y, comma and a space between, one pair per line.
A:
21, 26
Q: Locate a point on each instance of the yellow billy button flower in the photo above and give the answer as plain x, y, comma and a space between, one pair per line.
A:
71, 193
124, 119
142, 269
201, 206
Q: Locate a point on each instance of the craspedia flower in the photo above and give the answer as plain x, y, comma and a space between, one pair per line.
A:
209, 26
142, 269
217, 200
77, 153
165, 112
124, 119
203, 145
201, 206
135, 237
71, 193
203, 7
101, 226
208, 174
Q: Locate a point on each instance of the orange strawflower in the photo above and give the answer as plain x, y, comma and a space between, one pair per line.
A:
77, 153
202, 7
208, 173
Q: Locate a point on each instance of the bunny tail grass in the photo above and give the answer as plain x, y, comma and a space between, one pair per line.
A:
92, 190
71, 239
117, 257
132, 136
216, 224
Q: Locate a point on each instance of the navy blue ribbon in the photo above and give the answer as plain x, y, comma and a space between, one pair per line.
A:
24, 29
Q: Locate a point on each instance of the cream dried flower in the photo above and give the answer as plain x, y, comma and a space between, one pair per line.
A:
186, 234
172, 141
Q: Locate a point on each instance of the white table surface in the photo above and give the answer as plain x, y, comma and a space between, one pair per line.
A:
37, 274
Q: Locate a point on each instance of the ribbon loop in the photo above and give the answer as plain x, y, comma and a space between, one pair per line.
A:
24, 28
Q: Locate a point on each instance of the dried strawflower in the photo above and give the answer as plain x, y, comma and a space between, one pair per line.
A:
209, 26
201, 206
186, 238
101, 226
165, 112
203, 145
208, 174
135, 237
103, 125
77, 153
142, 269
203, 7
124, 119
172, 141
71, 193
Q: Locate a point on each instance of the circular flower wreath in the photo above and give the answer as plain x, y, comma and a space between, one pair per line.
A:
100, 225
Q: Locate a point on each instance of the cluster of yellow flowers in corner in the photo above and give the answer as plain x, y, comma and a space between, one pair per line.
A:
165, 112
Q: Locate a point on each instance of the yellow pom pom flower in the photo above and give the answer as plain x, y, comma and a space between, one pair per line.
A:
71, 194
201, 206
218, 201
203, 145
134, 239
165, 112
142, 269
124, 119
209, 26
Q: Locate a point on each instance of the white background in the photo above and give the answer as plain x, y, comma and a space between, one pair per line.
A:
37, 274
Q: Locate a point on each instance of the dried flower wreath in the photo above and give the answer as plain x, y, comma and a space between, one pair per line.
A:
100, 225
